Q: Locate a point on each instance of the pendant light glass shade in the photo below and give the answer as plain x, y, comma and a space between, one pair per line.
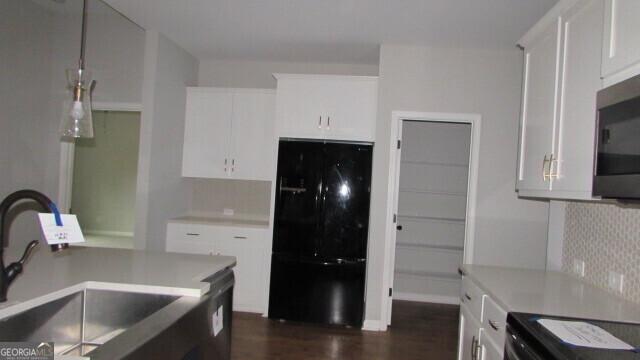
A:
77, 120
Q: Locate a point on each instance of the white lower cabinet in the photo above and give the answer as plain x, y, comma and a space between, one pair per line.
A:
246, 244
482, 325
469, 337
488, 349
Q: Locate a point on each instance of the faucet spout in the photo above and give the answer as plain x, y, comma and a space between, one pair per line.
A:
9, 273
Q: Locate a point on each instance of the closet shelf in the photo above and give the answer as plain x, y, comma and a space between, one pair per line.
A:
433, 192
433, 163
430, 274
430, 246
432, 218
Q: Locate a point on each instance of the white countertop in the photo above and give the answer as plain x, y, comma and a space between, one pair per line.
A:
224, 221
50, 275
550, 293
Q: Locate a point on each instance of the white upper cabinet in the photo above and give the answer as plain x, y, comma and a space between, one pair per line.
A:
326, 107
253, 135
206, 133
541, 73
229, 133
562, 78
621, 49
579, 86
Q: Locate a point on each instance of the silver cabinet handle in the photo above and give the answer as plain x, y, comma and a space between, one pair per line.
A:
328, 122
546, 161
467, 296
552, 174
239, 237
474, 348
225, 164
192, 234
494, 325
320, 122
233, 165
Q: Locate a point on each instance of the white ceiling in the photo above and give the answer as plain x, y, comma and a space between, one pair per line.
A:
342, 31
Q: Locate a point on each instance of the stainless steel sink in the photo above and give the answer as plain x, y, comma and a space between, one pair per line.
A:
82, 322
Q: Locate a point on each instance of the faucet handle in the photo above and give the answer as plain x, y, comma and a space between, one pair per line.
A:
14, 269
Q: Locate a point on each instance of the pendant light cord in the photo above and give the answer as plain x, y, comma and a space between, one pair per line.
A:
83, 38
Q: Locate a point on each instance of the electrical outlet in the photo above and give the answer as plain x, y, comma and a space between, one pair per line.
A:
228, 212
616, 281
578, 267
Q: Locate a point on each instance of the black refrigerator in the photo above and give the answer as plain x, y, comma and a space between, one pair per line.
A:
320, 232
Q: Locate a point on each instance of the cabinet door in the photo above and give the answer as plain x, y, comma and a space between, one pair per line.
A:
351, 109
622, 36
253, 138
206, 134
300, 108
247, 245
583, 28
488, 349
539, 108
469, 335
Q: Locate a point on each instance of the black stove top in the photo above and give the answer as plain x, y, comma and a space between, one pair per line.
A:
548, 346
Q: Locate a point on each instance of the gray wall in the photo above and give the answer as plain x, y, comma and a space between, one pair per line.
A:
258, 74
509, 231
162, 192
38, 41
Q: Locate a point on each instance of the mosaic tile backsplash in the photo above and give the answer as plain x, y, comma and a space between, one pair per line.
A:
607, 238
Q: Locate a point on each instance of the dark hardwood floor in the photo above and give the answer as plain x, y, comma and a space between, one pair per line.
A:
418, 331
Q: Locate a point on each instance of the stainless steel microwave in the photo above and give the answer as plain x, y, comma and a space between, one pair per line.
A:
617, 158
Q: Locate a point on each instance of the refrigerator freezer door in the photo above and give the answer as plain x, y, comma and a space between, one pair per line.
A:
297, 205
317, 291
345, 201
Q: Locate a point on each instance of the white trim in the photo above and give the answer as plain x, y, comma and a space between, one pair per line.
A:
116, 106
108, 233
213, 89
390, 235
281, 76
373, 325
434, 299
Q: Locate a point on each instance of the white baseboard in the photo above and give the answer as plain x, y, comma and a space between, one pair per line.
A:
437, 299
248, 308
372, 325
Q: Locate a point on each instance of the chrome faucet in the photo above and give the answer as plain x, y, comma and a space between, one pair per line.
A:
9, 273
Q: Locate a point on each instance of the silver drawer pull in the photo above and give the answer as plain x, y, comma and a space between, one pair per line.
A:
239, 237
192, 234
467, 296
494, 325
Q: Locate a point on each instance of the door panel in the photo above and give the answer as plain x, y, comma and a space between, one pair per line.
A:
581, 81
300, 105
207, 132
539, 108
345, 201
252, 136
327, 293
622, 36
297, 204
351, 106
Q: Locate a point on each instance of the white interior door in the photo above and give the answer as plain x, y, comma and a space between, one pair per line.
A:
392, 250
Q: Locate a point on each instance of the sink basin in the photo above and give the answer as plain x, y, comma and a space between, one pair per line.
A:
83, 321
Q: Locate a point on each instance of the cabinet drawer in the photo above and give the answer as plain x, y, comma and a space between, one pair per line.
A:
471, 295
189, 238
494, 320
248, 234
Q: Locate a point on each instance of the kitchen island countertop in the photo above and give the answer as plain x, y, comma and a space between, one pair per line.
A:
49, 275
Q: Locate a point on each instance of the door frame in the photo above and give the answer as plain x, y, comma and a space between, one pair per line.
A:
67, 151
397, 117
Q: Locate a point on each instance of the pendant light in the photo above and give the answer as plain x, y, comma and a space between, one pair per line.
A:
77, 120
